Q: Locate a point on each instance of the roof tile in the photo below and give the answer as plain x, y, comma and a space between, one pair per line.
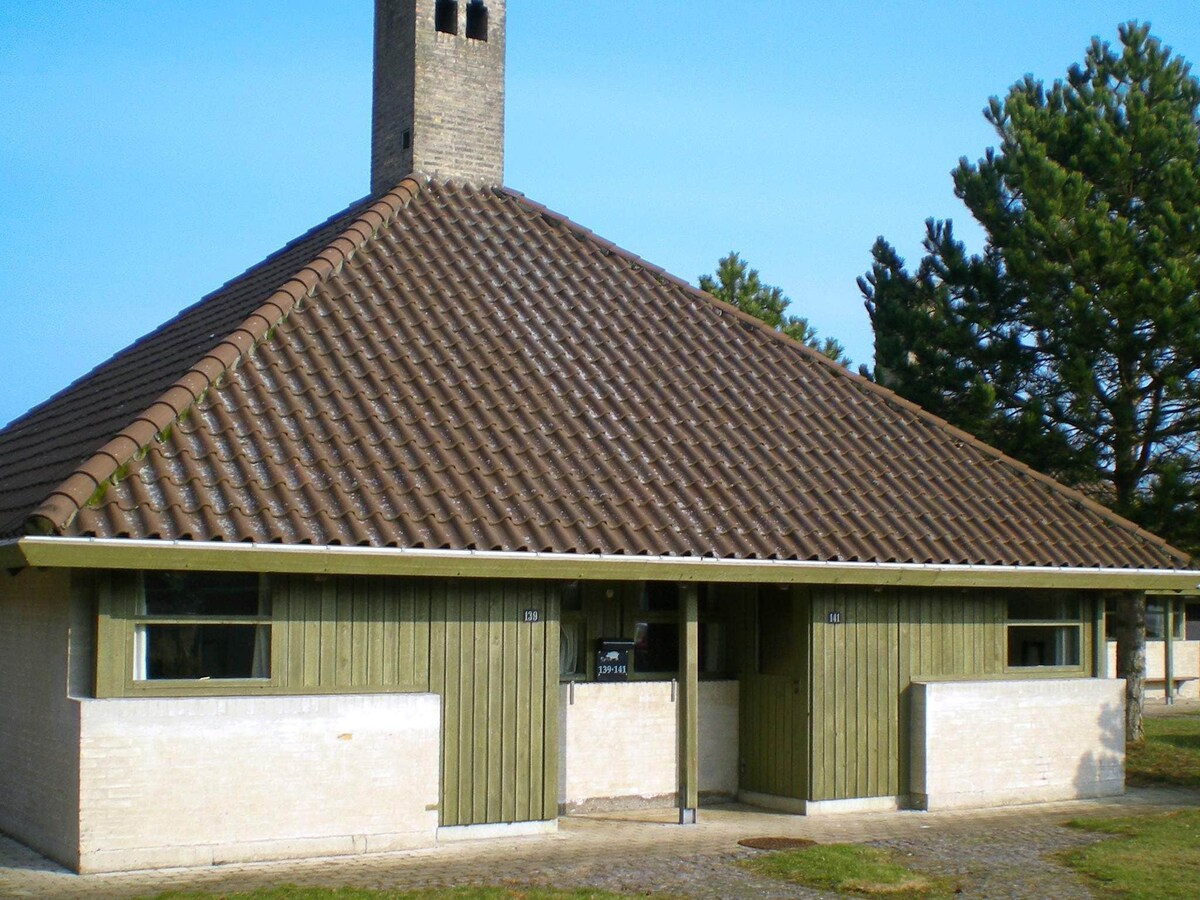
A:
465, 369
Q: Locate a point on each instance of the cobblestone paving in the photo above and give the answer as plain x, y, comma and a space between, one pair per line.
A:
995, 853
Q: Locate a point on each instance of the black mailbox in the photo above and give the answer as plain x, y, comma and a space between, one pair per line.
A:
612, 659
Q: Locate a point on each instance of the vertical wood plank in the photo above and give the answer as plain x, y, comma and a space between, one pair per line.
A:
687, 707
510, 702
551, 622
537, 712
469, 606
496, 730
438, 684
282, 628
525, 722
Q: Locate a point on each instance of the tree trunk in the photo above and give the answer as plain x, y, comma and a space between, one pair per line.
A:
1130, 626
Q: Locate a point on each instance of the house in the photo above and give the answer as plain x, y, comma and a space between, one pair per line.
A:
452, 517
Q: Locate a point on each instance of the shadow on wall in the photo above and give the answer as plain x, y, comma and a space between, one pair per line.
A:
1105, 765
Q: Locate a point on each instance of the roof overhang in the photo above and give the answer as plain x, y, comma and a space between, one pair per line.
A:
123, 553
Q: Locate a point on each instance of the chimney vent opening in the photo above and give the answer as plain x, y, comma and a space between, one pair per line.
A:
477, 21
445, 16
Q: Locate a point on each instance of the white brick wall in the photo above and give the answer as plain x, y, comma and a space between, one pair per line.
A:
39, 724
1186, 668
996, 743
181, 781
617, 743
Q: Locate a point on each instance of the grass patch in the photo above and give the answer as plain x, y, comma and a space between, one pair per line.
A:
1169, 755
849, 869
1149, 856
292, 892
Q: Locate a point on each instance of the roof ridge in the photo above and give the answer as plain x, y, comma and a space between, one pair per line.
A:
885, 394
62, 504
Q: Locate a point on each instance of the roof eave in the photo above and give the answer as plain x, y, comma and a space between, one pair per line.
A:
125, 553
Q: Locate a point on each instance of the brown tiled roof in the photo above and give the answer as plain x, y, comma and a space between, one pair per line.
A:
41, 448
481, 373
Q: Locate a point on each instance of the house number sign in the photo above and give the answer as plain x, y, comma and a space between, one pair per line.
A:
532, 616
835, 618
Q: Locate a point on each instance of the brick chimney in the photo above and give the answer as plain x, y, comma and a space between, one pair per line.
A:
439, 91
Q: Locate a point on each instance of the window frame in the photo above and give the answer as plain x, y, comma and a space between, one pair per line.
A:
1064, 623
613, 609
121, 602
574, 618
709, 615
1179, 619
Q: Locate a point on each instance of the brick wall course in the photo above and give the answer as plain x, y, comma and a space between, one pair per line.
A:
182, 781
445, 91
39, 722
617, 743
1186, 667
997, 743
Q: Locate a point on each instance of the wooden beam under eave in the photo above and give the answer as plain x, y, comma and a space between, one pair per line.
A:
11, 556
117, 553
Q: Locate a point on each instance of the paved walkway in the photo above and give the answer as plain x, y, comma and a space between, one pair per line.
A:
995, 853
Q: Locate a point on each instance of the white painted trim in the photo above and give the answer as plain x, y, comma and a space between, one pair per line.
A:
452, 833
110, 553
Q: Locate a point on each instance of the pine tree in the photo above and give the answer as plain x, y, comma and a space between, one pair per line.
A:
739, 285
1073, 340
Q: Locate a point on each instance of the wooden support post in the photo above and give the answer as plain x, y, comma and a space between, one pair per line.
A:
687, 747
1169, 647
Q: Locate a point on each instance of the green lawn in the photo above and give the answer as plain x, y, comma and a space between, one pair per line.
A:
1156, 855
1149, 857
1169, 755
848, 869
290, 892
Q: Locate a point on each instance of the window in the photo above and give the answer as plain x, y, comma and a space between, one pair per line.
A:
1156, 621
201, 626
655, 620
1044, 631
477, 21
572, 634
445, 16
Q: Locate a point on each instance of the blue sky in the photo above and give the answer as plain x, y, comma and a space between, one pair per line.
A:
151, 151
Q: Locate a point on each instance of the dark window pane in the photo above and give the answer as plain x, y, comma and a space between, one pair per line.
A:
202, 594
1043, 645
477, 21
1156, 620
205, 651
655, 647
572, 597
571, 643
659, 596
445, 16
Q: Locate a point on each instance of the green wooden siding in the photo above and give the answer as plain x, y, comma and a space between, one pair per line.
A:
862, 669
354, 633
343, 634
498, 678
772, 708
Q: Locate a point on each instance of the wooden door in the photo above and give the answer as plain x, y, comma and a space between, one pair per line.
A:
494, 660
774, 693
